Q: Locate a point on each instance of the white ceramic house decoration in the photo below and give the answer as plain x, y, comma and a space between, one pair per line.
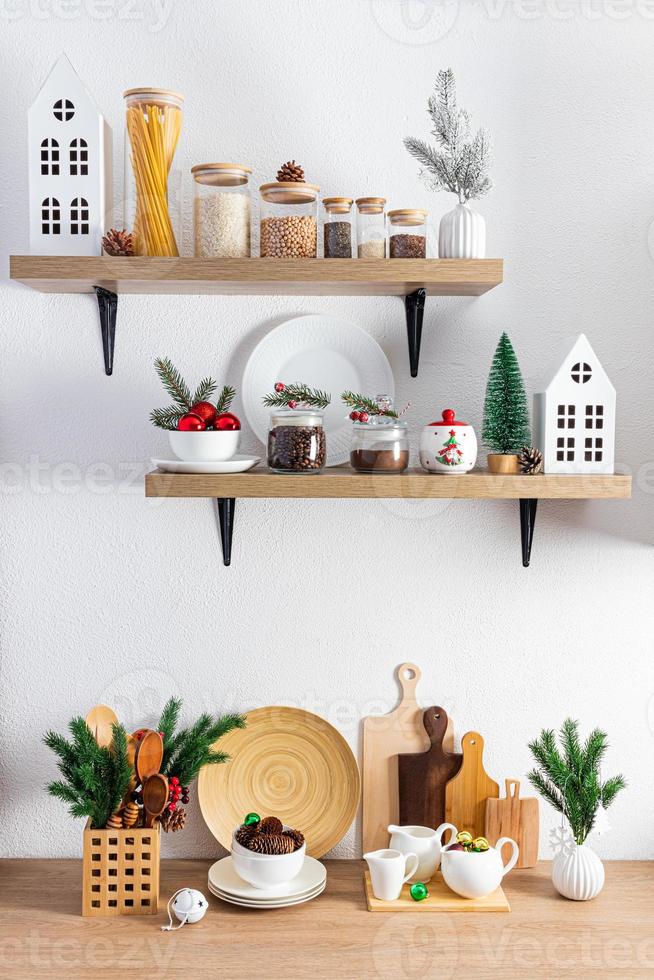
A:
69, 167
574, 415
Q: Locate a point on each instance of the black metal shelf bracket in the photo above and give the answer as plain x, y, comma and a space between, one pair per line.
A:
527, 521
414, 304
226, 506
108, 308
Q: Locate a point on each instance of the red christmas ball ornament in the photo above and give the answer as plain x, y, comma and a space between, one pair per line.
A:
292, 404
227, 422
363, 416
206, 411
355, 416
279, 386
191, 423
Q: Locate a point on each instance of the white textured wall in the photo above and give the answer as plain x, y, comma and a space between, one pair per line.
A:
109, 597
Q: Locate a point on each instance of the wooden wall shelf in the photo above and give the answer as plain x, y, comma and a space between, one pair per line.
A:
342, 482
411, 279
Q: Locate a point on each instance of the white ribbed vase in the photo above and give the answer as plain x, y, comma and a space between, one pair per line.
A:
462, 234
579, 874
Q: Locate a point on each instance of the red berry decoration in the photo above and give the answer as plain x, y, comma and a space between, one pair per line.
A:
363, 416
355, 416
172, 806
191, 423
174, 780
227, 422
279, 387
206, 411
185, 800
292, 404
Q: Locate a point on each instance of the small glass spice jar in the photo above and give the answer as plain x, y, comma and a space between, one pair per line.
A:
221, 210
289, 220
296, 441
407, 233
381, 443
337, 227
371, 228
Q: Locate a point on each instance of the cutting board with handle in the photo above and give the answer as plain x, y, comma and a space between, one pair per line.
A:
385, 737
467, 792
423, 776
516, 817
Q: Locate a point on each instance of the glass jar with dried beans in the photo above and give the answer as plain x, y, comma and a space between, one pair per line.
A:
371, 228
296, 441
289, 220
221, 210
337, 227
407, 233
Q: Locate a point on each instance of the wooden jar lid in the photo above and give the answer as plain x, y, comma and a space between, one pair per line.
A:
221, 174
289, 192
337, 205
407, 216
371, 205
153, 96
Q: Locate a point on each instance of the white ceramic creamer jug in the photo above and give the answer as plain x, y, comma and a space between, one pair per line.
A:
424, 842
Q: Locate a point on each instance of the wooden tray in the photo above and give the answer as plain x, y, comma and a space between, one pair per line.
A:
286, 763
441, 899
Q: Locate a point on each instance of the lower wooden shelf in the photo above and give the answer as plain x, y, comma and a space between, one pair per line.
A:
342, 482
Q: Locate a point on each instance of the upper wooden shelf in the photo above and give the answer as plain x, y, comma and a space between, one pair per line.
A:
285, 277
340, 481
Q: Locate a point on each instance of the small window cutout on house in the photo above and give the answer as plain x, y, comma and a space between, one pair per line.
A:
593, 449
50, 217
79, 158
49, 158
64, 110
79, 216
566, 417
581, 373
565, 450
594, 416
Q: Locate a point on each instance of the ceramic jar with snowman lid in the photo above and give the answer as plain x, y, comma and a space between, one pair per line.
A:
449, 446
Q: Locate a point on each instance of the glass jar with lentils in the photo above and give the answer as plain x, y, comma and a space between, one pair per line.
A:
407, 233
289, 220
296, 441
337, 227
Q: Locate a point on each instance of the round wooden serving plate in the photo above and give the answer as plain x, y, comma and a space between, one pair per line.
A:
286, 763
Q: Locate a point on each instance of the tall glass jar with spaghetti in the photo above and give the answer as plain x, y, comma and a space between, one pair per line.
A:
153, 187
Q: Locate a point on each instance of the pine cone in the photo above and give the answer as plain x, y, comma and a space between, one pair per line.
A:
130, 815
115, 822
268, 837
271, 844
531, 460
173, 820
270, 825
118, 242
290, 172
296, 837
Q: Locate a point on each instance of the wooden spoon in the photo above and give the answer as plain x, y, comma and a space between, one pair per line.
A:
149, 756
155, 798
100, 719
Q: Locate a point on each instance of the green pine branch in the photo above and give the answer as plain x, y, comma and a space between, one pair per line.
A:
506, 415
204, 391
187, 750
225, 399
166, 418
359, 403
300, 393
173, 382
569, 777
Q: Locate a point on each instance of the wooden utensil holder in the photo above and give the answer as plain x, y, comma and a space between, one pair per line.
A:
121, 871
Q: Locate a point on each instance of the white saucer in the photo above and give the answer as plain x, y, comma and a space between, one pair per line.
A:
237, 464
281, 903
223, 878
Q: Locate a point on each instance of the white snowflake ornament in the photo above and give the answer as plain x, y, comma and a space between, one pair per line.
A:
561, 840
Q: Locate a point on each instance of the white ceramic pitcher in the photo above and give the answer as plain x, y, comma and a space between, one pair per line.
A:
424, 842
475, 875
388, 871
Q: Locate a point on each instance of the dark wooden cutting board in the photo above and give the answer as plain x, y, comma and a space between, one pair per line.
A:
422, 776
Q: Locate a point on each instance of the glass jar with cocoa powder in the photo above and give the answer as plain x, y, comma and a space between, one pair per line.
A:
407, 233
289, 220
380, 445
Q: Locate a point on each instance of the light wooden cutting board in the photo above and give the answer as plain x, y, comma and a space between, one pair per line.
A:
466, 794
384, 738
516, 817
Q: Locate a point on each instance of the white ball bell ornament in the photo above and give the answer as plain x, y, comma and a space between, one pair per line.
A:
188, 905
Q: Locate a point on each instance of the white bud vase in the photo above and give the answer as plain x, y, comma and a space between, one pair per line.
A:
462, 234
578, 874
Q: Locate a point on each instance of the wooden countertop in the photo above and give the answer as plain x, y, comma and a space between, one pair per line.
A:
334, 937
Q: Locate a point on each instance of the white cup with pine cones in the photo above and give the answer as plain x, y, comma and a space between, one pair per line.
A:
266, 870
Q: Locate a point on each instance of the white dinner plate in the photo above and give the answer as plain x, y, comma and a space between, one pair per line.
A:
237, 464
323, 352
281, 904
223, 876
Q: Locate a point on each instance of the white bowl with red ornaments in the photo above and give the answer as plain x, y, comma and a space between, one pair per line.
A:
448, 447
204, 436
266, 870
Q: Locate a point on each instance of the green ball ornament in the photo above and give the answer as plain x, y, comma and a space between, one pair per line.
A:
251, 819
419, 892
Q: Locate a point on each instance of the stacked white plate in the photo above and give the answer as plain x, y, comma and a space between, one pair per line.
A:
226, 884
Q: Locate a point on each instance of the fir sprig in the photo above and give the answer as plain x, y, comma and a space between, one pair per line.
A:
186, 751
459, 163
570, 779
204, 391
225, 399
95, 778
173, 382
300, 393
166, 418
359, 403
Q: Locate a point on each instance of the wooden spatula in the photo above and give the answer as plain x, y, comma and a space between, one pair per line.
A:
422, 776
100, 719
155, 797
149, 756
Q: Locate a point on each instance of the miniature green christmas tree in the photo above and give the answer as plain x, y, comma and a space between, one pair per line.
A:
506, 416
